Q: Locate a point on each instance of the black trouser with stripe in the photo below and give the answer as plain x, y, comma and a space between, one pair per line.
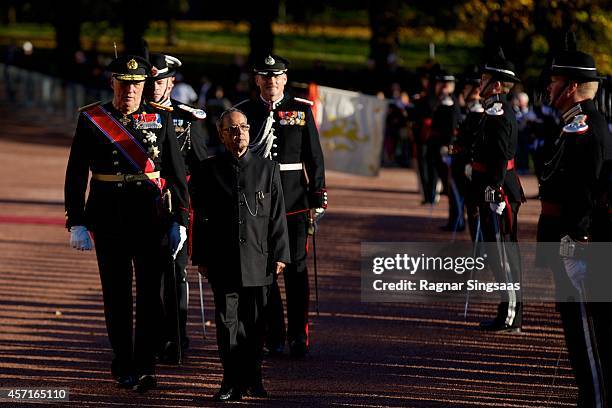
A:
116, 254
297, 290
510, 309
240, 332
169, 300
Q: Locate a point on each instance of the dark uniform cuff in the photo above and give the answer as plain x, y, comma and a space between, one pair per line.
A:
318, 199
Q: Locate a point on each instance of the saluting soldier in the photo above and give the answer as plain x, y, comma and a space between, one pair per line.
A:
240, 243
137, 195
191, 140
284, 130
574, 191
497, 188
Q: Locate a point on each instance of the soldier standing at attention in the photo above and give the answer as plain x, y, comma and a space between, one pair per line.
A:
285, 132
575, 192
191, 141
137, 196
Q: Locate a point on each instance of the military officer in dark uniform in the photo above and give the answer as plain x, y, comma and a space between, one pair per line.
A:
574, 191
461, 151
497, 189
444, 122
191, 141
137, 195
284, 131
239, 243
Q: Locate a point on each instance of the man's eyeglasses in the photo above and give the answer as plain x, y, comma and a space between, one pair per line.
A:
237, 128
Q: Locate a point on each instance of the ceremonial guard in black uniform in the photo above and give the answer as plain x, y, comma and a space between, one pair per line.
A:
575, 189
239, 242
137, 195
461, 153
444, 122
284, 131
191, 141
497, 189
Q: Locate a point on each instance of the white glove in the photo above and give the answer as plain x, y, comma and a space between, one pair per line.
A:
498, 207
468, 171
177, 235
576, 270
79, 238
318, 214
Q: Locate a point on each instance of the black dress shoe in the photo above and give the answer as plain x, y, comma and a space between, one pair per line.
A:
298, 349
145, 383
126, 381
498, 325
257, 391
228, 394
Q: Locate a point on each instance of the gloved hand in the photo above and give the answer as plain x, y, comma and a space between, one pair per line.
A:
576, 270
468, 171
79, 238
498, 207
177, 235
318, 214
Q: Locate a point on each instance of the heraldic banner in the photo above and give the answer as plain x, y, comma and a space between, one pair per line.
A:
351, 126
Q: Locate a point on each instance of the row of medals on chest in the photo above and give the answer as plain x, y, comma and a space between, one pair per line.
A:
292, 118
144, 122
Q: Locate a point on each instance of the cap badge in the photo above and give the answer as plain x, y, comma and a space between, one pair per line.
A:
269, 60
154, 71
132, 64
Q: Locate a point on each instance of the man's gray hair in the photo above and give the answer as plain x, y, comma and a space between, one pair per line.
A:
226, 113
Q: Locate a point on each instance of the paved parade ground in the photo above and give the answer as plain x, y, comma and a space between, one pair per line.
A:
52, 332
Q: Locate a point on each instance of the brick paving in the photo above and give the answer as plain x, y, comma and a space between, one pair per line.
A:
52, 331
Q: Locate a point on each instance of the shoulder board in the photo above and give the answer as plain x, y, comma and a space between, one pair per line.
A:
161, 107
496, 110
91, 105
197, 113
577, 125
448, 101
240, 103
306, 101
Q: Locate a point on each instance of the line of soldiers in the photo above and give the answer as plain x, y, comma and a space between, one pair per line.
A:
575, 193
250, 213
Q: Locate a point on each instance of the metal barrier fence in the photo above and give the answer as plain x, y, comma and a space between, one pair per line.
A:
57, 96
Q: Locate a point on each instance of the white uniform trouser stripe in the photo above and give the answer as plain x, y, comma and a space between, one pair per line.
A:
589, 348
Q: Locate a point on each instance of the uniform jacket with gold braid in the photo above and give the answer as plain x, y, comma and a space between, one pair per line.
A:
494, 146
190, 134
297, 141
114, 204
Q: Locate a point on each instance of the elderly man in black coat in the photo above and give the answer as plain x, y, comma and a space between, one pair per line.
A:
239, 240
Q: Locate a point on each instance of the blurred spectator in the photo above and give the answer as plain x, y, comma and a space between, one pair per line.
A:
216, 105
183, 92
204, 89
526, 118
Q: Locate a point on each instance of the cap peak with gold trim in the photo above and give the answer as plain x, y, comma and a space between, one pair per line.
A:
129, 68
